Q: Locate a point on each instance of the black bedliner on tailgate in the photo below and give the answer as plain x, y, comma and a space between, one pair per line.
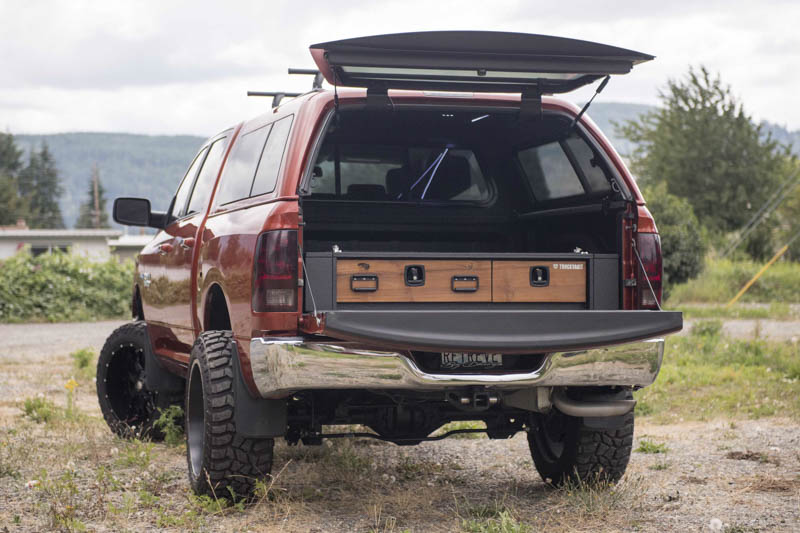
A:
506, 331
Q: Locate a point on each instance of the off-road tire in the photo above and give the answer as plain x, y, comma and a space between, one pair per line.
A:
565, 449
220, 459
128, 407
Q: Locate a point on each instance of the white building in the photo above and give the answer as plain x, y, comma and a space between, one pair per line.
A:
127, 246
96, 244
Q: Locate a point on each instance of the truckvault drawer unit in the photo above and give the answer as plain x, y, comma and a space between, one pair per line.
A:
572, 281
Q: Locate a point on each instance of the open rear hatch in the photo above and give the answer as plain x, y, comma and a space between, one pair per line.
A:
480, 61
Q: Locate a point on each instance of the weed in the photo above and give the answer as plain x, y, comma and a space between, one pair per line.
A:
71, 385
484, 510
104, 483
62, 500
345, 459
40, 409
600, 497
137, 453
189, 520
379, 522
504, 522
127, 506
648, 446
170, 424
707, 328
82, 362
736, 528
661, 465
10, 459
147, 499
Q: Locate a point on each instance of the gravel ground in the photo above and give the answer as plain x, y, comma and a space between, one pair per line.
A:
41, 342
744, 473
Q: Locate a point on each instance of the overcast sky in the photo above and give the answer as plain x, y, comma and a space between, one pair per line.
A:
184, 67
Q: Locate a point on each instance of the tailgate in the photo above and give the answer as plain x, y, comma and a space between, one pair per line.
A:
499, 330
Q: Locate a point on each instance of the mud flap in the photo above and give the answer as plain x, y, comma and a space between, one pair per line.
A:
158, 378
255, 417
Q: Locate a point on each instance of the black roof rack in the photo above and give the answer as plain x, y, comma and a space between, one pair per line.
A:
317, 83
277, 96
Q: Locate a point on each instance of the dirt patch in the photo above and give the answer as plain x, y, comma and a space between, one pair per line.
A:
759, 457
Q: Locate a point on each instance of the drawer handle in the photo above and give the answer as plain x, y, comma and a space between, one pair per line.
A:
464, 283
362, 283
540, 276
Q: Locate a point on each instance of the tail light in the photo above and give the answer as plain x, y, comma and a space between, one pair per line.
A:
275, 272
649, 247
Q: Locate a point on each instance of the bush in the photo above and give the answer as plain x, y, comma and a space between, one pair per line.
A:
63, 287
682, 244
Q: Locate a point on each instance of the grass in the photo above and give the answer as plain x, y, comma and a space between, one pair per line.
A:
722, 279
40, 409
169, 423
774, 311
84, 362
706, 375
466, 424
504, 522
648, 446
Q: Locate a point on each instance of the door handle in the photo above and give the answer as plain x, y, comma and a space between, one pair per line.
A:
187, 243
164, 248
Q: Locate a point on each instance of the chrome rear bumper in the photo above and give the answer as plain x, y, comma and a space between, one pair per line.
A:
282, 366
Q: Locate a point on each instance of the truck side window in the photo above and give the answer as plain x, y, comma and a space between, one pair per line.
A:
267, 173
206, 178
179, 206
589, 163
240, 169
549, 172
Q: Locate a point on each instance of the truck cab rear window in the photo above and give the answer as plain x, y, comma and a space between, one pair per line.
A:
398, 173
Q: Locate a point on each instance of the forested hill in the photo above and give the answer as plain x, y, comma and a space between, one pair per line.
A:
151, 166
147, 166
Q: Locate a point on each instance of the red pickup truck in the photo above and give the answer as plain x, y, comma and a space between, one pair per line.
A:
435, 239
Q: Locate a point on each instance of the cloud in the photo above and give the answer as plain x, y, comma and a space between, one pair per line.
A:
184, 66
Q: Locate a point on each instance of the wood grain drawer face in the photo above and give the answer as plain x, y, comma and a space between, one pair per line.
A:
556, 281
384, 280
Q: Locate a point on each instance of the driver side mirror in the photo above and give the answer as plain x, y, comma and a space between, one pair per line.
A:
136, 212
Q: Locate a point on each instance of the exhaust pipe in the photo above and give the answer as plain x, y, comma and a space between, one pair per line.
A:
590, 408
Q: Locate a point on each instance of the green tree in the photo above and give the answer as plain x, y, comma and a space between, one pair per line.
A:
702, 144
10, 155
93, 211
39, 184
683, 245
12, 205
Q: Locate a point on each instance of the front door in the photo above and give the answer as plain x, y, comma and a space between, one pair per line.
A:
178, 262
157, 297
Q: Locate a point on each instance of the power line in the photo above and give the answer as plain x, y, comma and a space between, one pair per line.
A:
770, 205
